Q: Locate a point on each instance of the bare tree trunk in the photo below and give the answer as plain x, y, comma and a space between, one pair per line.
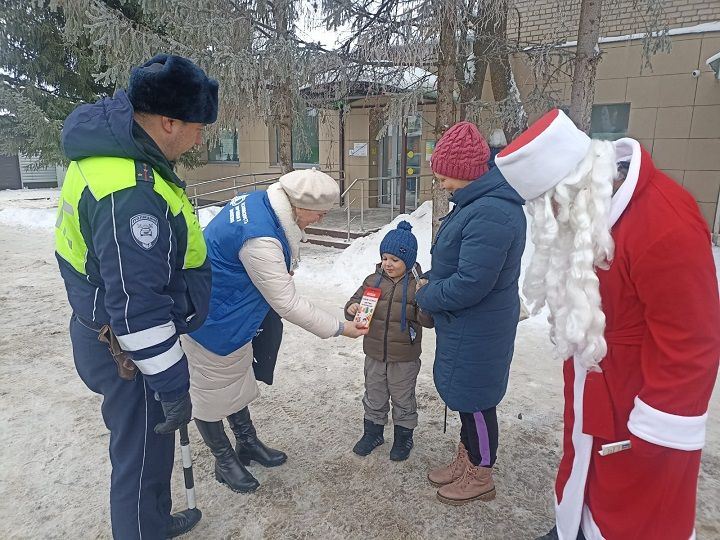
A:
445, 106
505, 90
472, 90
464, 86
283, 96
587, 57
284, 127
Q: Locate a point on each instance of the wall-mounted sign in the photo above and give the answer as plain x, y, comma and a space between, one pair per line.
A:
429, 149
358, 150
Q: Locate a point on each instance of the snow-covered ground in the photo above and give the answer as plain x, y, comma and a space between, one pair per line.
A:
54, 467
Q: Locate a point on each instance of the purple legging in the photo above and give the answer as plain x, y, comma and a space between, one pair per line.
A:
479, 435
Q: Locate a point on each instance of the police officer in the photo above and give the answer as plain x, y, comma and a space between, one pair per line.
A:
133, 259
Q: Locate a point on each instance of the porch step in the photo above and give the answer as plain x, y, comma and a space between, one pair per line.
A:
339, 233
328, 241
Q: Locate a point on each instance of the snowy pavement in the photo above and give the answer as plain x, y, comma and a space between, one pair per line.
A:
54, 467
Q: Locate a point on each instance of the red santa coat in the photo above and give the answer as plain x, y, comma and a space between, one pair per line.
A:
660, 298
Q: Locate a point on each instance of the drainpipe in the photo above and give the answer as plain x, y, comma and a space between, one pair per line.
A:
403, 168
716, 226
341, 161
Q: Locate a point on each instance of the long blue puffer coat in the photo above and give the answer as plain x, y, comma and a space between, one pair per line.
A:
473, 292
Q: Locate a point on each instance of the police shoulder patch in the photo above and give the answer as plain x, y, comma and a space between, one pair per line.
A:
144, 229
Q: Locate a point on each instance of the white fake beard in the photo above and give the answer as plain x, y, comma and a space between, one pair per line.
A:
571, 240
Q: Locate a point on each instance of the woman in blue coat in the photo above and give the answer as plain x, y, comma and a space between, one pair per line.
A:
472, 293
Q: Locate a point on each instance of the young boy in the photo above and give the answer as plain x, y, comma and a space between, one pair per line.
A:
392, 345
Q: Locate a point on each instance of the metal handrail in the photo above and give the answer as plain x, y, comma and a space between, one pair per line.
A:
238, 187
194, 198
342, 195
250, 184
213, 180
345, 196
244, 175
235, 188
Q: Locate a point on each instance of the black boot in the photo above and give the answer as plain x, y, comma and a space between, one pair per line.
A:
552, 535
183, 522
371, 439
228, 469
402, 444
249, 447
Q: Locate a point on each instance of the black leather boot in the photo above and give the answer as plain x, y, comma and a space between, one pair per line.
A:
371, 439
553, 535
249, 447
402, 444
183, 522
228, 469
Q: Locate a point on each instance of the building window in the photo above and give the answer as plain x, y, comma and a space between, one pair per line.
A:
610, 122
305, 141
225, 148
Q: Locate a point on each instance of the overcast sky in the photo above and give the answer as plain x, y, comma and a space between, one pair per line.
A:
311, 29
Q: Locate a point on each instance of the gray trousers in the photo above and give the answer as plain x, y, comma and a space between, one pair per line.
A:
396, 380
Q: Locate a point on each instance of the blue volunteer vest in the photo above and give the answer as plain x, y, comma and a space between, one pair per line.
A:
236, 306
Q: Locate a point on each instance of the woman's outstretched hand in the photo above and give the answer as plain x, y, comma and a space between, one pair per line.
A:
354, 329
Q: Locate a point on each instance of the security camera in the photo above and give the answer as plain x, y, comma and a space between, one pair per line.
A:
714, 63
695, 73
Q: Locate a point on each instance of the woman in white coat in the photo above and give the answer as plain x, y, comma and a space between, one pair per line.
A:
253, 246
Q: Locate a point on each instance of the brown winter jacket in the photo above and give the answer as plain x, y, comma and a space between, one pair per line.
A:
385, 341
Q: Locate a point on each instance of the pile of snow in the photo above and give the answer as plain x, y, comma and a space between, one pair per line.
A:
30, 208
33, 218
22, 210
26, 194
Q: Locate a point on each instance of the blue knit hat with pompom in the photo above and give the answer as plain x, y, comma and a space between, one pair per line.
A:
401, 243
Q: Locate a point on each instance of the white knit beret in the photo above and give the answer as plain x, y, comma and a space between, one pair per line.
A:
310, 189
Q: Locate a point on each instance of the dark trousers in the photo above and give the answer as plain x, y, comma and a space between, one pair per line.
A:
142, 461
479, 435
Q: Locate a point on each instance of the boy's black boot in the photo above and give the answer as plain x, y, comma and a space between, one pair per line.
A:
228, 469
371, 439
402, 444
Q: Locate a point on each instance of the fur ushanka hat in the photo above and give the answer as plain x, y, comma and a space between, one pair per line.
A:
175, 87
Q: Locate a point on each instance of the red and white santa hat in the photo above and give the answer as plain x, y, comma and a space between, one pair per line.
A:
543, 155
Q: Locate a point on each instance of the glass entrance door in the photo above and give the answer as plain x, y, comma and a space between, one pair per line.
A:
391, 162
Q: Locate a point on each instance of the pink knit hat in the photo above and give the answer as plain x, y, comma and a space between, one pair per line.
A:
461, 153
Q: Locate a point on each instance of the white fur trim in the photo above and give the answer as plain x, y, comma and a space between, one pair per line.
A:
568, 511
589, 528
665, 429
625, 148
283, 210
592, 532
541, 163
